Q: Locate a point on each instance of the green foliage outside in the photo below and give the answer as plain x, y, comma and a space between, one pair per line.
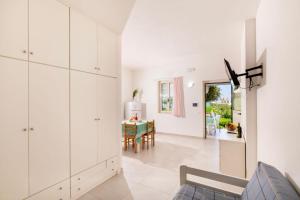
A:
213, 94
167, 104
134, 93
224, 122
224, 110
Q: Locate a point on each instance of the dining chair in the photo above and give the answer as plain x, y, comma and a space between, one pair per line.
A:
149, 135
130, 132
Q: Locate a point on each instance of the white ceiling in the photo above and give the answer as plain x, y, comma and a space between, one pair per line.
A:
187, 33
111, 13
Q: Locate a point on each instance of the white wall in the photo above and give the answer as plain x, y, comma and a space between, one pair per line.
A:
278, 101
127, 87
159, 32
192, 124
249, 106
160, 41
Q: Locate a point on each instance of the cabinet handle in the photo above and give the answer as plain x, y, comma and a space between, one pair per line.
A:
24, 51
32, 129
24, 129
78, 179
31, 53
78, 189
60, 188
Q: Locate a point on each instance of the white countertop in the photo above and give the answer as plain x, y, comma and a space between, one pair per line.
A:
223, 135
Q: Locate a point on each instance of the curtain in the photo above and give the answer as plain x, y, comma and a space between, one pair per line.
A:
178, 109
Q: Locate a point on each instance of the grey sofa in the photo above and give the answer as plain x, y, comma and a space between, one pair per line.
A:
267, 183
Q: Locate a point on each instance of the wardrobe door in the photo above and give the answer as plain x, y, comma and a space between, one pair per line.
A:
107, 100
48, 126
49, 32
83, 121
14, 28
13, 129
107, 52
83, 38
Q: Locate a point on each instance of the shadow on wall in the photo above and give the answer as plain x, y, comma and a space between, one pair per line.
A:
263, 60
293, 183
144, 111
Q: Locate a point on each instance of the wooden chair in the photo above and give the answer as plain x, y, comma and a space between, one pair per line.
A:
150, 135
130, 132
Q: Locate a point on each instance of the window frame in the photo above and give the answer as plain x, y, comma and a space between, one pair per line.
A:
170, 109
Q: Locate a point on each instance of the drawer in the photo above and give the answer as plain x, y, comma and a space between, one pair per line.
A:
82, 188
87, 180
86, 175
113, 163
60, 191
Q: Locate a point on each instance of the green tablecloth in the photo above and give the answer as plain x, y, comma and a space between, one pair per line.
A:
141, 129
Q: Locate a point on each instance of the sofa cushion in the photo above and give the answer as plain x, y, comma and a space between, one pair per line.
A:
268, 183
190, 192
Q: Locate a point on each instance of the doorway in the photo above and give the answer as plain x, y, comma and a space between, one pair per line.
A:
218, 100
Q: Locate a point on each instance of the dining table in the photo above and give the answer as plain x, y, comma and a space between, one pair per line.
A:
141, 129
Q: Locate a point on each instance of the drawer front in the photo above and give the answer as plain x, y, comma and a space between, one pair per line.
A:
81, 189
87, 180
59, 191
86, 175
113, 163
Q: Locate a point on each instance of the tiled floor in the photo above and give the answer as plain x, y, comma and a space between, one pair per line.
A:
154, 173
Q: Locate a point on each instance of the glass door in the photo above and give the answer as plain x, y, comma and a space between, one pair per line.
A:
218, 107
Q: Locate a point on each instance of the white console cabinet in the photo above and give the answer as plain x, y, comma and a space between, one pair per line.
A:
232, 155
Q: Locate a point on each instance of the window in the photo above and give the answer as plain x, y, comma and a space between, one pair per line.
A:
166, 93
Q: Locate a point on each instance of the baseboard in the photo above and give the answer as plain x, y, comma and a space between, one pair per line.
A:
180, 135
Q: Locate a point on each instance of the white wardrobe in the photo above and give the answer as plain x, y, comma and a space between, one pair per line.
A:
59, 103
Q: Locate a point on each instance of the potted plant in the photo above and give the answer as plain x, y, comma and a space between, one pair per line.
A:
134, 94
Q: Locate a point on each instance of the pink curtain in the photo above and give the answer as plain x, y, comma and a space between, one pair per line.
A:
178, 109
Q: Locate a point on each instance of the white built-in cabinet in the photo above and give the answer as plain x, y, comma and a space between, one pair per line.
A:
83, 42
13, 129
59, 133
94, 48
107, 52
93, 119
49, 32
14, 28
34, 21
84, 121
107, 109
49, 126
34, 127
